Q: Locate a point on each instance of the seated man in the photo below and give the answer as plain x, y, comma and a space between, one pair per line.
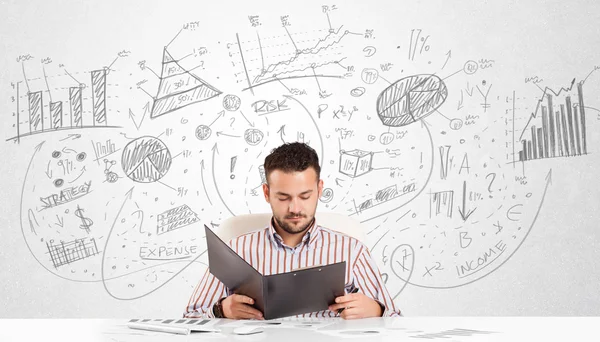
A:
293, 240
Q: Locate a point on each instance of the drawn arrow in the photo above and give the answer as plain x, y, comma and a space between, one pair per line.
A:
215, 150
202, 178
467, 90
463, 212
60, 221
72, 136
132, 116
460, 103
281, 132
219, 133
449, 54
66, 150
48, 171
549, 177
337, 181
214, 224
221, 114
249, 123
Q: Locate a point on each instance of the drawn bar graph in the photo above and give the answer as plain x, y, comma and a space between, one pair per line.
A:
562, 132
99, 96
56, 115
36, 115
81, 107
76, 106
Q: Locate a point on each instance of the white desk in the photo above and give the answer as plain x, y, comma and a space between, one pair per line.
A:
448, 329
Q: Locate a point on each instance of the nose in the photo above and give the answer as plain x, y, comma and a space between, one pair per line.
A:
294, 206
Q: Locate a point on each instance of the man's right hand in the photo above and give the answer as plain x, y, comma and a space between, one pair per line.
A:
239, 307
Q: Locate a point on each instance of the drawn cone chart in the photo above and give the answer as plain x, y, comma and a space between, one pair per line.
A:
61, 222
146, 159
410, 99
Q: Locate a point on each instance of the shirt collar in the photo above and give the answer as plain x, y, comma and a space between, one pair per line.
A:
309, 238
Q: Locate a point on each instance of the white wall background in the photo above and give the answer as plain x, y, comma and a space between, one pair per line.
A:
539, 232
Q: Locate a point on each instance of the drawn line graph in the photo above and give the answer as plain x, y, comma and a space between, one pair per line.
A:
263, 62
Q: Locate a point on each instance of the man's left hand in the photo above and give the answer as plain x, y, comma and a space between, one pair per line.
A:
356, 305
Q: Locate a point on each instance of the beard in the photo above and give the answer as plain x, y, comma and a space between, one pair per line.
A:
291, 228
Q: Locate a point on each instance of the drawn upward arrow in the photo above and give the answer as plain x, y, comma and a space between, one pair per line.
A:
202, 178
464, 213
132, 116
215, 150
221, 114
281, 132
449, 54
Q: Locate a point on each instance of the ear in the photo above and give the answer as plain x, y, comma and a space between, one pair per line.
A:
265, 188
320, 187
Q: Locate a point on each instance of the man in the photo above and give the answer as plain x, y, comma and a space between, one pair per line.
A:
294, 240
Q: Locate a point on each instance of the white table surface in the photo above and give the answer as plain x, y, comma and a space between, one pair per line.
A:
448, 329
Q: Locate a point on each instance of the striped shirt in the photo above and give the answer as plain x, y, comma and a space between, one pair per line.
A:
265, 251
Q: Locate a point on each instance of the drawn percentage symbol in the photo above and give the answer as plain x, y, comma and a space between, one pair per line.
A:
424, 44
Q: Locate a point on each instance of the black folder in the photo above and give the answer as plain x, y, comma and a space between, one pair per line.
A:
279, 295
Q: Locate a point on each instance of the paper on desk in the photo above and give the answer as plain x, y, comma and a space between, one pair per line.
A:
305, 323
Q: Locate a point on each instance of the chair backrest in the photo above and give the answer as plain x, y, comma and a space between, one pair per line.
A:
238, 225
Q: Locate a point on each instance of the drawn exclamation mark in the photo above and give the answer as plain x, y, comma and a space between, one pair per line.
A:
232, 167
420, 167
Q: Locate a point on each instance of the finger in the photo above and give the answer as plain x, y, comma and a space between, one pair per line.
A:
335, 307
349, 297
243, 299
250, 311
351, 313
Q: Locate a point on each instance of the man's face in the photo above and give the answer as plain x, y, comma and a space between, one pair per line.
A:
293, 198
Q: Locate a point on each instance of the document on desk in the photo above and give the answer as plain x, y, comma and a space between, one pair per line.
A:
174, 326
279, 295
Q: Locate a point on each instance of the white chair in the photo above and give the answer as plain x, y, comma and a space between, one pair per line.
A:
242, 224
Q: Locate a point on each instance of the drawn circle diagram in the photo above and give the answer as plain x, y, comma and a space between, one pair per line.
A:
327, 195
231, 102
203, 132
253, 136
410, 99
146, 159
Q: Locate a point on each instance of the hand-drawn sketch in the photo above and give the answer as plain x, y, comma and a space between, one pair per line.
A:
146, 159
178, 88
41, 108
446, 173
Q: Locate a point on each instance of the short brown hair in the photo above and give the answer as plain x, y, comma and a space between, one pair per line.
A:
292, 157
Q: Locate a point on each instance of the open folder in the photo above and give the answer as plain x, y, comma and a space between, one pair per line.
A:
279, 295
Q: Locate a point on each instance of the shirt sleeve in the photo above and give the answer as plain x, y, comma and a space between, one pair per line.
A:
208, 291
369, 281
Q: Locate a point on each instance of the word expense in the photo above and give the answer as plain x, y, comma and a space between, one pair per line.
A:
167, 252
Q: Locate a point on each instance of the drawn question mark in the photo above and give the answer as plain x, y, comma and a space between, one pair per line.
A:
493, 179
232, 121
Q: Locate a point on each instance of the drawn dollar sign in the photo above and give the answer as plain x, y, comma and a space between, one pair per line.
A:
86, 222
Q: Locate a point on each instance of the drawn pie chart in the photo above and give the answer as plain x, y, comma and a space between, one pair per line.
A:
410, 99
146, 159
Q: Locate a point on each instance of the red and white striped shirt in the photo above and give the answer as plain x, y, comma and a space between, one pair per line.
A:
265, 251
